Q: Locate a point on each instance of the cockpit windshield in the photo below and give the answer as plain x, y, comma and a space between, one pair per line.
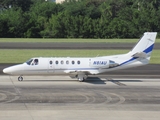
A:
29, 61
32, 62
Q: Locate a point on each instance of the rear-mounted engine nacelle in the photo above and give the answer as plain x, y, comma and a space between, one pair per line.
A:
112, 64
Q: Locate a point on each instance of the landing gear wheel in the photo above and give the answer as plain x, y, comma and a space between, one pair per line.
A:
20, 78
80, 80
81, 77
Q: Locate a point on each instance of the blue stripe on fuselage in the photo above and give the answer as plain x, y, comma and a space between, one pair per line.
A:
127, 61
149, 49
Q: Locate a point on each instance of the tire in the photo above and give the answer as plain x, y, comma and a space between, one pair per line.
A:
20, 78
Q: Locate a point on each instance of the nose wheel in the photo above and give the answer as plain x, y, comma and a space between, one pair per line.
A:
20, 78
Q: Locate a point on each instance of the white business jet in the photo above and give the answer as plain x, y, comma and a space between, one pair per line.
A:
82, 67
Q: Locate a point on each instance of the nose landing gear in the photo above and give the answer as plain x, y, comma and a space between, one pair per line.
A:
20, 78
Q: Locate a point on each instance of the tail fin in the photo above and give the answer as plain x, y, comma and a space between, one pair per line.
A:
145, 45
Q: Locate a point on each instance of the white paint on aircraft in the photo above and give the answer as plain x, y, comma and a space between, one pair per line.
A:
82, 67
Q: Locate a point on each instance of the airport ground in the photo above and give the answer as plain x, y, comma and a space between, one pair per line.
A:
63, 98
132, 94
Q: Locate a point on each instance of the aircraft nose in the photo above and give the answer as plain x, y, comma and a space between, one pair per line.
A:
7, 71
4, 70
13, 70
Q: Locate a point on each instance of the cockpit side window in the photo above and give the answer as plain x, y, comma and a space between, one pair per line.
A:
35, 61
29, 61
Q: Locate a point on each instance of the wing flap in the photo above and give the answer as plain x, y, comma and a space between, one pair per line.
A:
81, 71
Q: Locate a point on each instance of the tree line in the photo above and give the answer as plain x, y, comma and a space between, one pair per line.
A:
78, 18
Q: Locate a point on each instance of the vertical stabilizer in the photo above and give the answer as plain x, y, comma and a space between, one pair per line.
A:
145, 44
141, 53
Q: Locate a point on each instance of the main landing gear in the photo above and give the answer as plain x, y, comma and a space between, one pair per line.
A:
81, 77
20, 78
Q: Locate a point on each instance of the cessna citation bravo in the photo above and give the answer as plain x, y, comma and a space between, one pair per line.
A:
82, 67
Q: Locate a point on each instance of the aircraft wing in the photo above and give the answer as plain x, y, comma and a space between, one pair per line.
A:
86, 72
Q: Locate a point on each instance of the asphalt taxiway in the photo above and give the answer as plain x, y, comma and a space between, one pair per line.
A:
63, 98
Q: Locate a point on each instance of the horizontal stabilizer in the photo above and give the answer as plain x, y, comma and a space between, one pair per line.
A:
140, 55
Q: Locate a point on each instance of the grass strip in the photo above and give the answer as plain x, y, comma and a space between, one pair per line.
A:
44, 40
20, 56
69, 40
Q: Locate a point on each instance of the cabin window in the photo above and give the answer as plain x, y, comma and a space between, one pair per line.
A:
50, 62
67, 62
72, 62
62, 62
56, 62
36, 62
78, 62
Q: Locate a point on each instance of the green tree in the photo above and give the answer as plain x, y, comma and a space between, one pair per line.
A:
79, 19
3, 26
23, 4
13, 22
